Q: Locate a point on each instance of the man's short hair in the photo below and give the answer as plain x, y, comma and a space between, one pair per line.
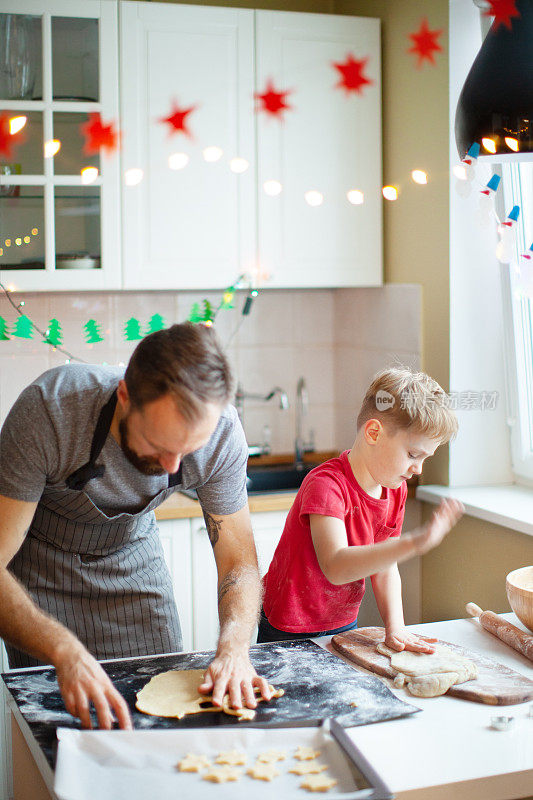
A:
185, 361
404, 399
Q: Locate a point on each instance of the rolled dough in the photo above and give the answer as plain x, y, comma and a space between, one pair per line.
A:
442, 660
175, 694
429, 674
433, 684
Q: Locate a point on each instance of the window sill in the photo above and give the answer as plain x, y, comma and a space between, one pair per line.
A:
510, 506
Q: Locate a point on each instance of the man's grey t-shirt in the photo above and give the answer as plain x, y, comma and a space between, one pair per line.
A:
47, 435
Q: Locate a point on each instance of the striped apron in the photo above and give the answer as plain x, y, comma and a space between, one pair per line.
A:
104, 577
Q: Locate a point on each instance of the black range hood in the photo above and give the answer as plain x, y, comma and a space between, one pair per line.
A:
495, 107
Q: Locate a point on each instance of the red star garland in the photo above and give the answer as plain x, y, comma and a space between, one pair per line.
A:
272, 102
425, 43
177, 120
98, 136
352, 77
502, 11
6, 138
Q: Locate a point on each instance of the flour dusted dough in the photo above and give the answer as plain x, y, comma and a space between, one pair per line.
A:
429, 674
175, 694
172, 694
432, 685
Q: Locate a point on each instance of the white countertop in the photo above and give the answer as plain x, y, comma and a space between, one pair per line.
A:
450, 750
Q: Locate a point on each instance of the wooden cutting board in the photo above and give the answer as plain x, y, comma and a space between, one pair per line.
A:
495, 685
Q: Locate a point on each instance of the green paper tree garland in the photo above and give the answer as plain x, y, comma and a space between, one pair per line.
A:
203, 312
92, 332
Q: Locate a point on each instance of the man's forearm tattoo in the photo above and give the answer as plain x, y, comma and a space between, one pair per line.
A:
213, 527
225, 585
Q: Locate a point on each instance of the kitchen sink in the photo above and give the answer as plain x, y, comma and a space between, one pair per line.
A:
276, 477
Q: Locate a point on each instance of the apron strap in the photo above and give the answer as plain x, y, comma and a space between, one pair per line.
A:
91, 469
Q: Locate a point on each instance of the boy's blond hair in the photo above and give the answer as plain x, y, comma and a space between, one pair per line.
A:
406, 399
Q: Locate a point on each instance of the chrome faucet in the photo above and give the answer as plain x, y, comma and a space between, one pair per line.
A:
241, 396
302, 405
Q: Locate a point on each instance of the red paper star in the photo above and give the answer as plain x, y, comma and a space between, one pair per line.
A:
177, 120
97, 135
502, 11
352, 78
273, 102
425, 43
6, 140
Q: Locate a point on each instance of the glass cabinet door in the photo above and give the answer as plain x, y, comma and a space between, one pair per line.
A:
56, 69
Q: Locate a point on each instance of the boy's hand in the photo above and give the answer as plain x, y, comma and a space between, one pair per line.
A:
444, 518
400, 639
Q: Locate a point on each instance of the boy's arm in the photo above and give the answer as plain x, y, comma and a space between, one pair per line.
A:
387, 586
342, 563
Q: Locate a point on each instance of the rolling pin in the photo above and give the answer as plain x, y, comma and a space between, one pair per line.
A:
508, 633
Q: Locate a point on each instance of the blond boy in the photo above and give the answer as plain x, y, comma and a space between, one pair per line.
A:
346, 520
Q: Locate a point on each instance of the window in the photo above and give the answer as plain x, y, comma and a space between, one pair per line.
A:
518, 287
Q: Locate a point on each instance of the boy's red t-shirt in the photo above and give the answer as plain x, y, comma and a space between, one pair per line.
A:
298, 597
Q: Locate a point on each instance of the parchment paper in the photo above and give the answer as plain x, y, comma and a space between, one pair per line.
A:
136, 765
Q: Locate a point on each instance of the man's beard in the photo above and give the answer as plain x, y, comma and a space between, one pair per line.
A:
148, 466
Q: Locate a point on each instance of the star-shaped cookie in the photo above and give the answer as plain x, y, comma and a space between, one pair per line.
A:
193, 763
271, 756
263, 772
308, 768
318, 783
222, 774
306, 753
232, 757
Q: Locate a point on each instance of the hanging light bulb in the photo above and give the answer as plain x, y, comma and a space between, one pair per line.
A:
419, 176
355, 197
51, 148
495, 101
89, 175
489, 144
272, 188
16, 124
212, 153
178, 160
133, 176
390, 192
314, 198
238, 165
512, 143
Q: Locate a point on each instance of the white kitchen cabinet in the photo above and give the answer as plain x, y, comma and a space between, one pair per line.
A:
176, 540
192, 227
56, 232
202, 225
328, 143
267, 527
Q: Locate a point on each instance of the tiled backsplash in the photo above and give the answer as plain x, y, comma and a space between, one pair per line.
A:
335, 338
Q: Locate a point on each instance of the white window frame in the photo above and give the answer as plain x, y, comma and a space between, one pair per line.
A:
517, 181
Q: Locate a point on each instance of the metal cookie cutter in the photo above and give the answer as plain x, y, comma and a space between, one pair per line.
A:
501, 723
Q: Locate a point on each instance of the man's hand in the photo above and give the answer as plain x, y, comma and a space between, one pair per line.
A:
400, 639
231, 673
83, 682
444, 518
